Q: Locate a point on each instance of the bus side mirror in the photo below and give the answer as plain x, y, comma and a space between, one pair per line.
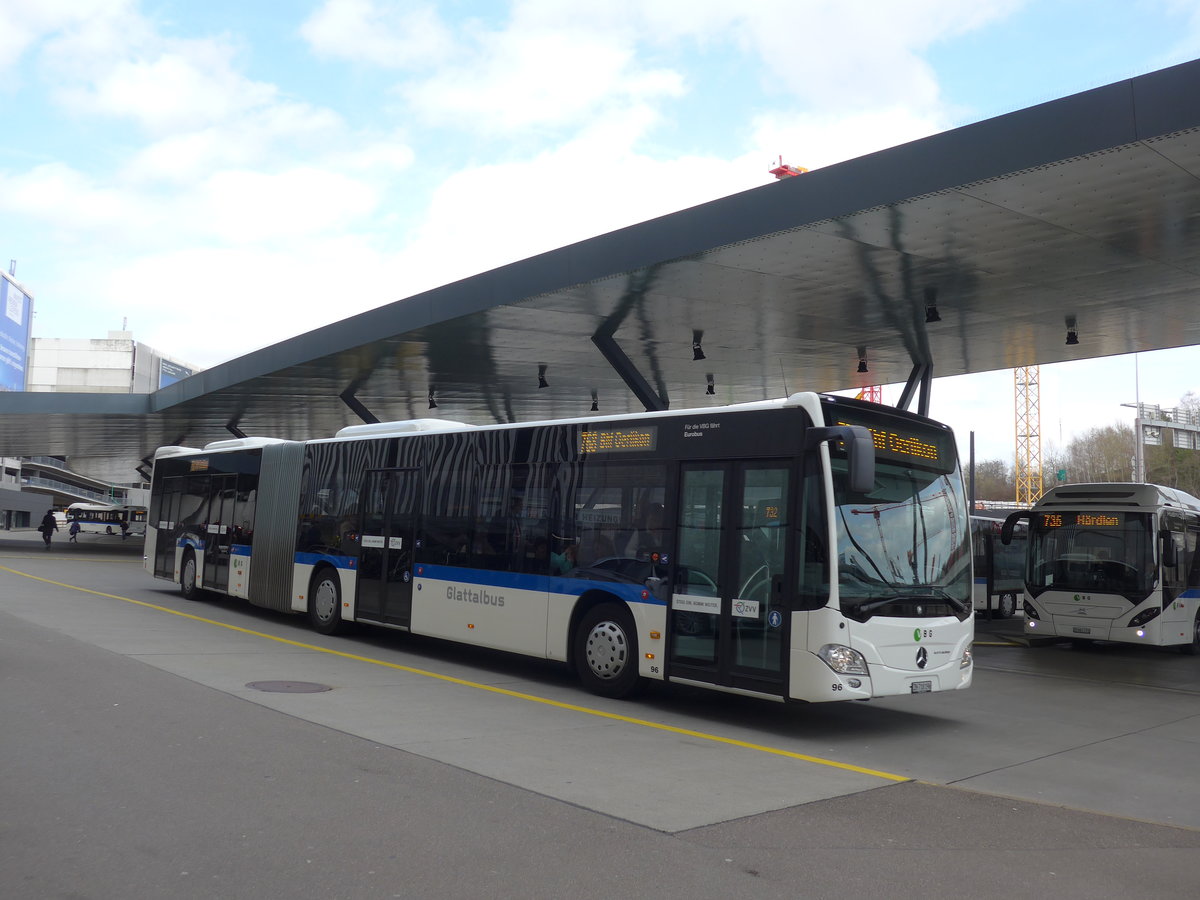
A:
1170, 559
1006, 532
860, 452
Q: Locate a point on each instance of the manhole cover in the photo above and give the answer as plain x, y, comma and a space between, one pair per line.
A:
289, 687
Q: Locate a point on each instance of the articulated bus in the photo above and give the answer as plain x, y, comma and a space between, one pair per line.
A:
999, 567
1113, 562
101, 518
814, 548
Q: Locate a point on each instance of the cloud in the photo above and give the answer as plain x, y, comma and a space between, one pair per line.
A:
25, 22
538, 79
388, 35
178, 86
239, 207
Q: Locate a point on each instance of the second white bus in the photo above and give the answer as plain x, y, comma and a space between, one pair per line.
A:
1114, 562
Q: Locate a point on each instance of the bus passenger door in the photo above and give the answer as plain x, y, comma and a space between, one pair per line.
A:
386, 548
222, 489
729, 619
167, 526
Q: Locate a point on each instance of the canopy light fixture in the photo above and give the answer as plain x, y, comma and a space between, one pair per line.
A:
697, 350
931, 310
542, 377
595, 403
712, 387
432, 401
862, 361
1072, 334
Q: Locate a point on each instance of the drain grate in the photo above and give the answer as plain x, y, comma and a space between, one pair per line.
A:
289, 687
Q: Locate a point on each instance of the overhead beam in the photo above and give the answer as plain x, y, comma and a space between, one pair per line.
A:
628, 372
356, 406
920, 379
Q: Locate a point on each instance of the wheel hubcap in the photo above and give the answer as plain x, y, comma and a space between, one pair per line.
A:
324, 601
607, 650
189, 573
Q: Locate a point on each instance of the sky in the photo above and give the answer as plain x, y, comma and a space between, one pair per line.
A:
218, 176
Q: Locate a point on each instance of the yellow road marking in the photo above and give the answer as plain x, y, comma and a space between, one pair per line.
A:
598, 713
59, 558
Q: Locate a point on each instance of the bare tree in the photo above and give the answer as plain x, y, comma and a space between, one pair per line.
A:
1101, 454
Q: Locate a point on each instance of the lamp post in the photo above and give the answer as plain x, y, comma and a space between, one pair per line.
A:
1139, 456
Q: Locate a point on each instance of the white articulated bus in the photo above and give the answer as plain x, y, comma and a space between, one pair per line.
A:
1114, 562
814, 548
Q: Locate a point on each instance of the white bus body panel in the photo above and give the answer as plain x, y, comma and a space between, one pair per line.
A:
1102, 617
503, 618
892, 649
239, 575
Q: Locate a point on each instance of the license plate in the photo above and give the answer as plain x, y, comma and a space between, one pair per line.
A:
921, 687
1078, 629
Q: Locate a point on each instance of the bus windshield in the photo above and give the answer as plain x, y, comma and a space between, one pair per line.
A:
1096, 552
903, 549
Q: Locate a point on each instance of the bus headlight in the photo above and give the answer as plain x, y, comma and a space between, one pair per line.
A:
1030, 612
843, 660
1144, 616
967, 658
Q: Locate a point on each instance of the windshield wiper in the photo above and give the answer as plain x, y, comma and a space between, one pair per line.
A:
933, 594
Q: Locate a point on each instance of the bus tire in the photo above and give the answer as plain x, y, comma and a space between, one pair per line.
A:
187, 577
108, 530
605, 652
325, 602
1193, 649
1006, 605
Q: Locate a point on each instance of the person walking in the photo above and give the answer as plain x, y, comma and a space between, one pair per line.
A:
48, 527
74, 531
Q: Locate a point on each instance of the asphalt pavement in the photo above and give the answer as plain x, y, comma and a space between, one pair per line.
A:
151, 747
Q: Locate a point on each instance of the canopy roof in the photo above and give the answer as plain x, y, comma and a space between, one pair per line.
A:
1081, 214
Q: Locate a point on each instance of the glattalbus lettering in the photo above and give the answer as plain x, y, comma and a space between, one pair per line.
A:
468, 596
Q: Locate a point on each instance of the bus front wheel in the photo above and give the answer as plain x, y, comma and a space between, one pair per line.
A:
606, 656
325, 603
1006, 605
187, 578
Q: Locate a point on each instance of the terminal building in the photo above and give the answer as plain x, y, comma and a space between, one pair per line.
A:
115, 364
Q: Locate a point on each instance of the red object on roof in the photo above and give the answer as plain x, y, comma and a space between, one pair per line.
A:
784, 171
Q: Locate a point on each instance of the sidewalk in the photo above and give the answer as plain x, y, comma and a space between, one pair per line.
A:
29, 540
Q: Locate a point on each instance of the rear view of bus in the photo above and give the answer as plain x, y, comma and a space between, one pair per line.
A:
1114, 562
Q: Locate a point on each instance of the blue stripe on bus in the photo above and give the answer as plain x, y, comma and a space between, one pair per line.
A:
239, 549
338, 562
521, 581
194, 543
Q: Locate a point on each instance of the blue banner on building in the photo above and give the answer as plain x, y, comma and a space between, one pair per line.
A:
169, 373
16, 319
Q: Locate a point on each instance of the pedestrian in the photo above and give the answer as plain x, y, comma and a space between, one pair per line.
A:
124, 529
48, 527
74, 531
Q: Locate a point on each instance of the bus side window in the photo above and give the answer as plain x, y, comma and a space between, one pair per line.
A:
1192, 563
812, 544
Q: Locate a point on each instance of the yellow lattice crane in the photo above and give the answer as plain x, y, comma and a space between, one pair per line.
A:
1028, 470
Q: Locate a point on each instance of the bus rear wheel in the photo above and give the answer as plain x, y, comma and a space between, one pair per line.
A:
1006, 606
187, 577
606, 656
325, 603
1193, 649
